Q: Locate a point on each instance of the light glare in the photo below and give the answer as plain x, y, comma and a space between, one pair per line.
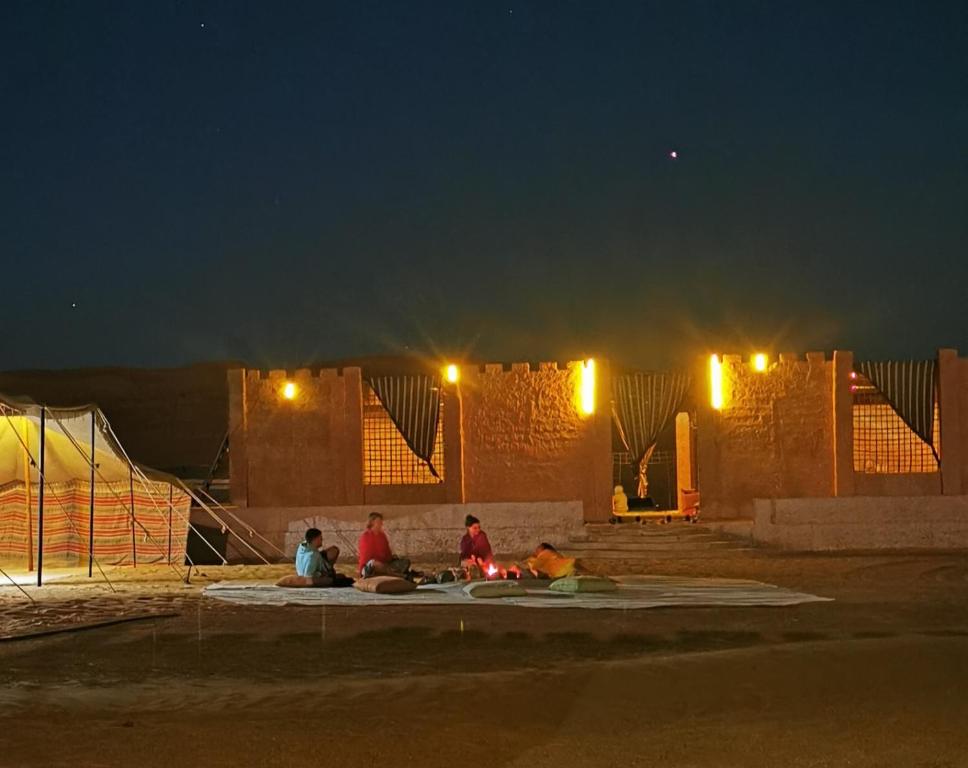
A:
715, 383
588, 387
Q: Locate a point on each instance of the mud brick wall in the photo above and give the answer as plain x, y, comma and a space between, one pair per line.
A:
510, 435
301, 452
525, 438
773, 437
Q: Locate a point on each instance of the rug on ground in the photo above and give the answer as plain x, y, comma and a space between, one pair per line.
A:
634, 592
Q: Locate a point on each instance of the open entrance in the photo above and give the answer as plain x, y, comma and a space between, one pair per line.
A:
653, 453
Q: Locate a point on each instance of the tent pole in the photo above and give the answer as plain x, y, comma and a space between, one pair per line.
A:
90, 538
28, 504
134, 548
171, 489
40, 499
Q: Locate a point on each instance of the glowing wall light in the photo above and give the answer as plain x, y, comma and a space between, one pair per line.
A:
289, 390
452, 373
587, 390
715, 383
760, 362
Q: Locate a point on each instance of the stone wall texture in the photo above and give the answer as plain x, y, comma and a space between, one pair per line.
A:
525, 439
515, 435
773, 438
862, 523
788, 433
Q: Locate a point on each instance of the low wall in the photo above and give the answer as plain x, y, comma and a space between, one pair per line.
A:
417, 530
862, 523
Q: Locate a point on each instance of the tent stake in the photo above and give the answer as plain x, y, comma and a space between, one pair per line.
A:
40, 499
90, 540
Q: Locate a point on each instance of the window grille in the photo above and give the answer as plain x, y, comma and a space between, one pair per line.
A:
883, 443
620, 460
387, 459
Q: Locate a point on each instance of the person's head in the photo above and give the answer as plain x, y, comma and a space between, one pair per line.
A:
619, 489
545, 547
472, 524
375, 522
314, 538
331, 553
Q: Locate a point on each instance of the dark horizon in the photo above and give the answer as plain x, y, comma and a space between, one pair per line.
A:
213, 181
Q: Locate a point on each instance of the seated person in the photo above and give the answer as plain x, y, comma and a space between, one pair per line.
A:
376, 558
548, 563
319, 566
620, 502
475, 549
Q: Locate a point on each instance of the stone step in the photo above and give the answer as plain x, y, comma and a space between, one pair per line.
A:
632, 546
658, 554
657, 538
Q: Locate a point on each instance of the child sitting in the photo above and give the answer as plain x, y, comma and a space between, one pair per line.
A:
320, 566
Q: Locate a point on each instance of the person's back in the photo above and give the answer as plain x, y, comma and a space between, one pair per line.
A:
620, 502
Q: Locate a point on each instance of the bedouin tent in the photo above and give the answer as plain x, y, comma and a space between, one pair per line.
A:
59, 508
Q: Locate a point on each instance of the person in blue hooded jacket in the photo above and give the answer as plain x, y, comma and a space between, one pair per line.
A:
319, 564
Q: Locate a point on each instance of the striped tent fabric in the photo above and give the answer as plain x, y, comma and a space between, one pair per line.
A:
910, 387
160, 530
413, 402
642, 406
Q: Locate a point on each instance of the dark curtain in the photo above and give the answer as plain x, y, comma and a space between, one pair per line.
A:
910, 387
643, 404
413, 402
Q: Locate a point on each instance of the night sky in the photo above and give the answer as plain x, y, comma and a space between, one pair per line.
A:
283, 183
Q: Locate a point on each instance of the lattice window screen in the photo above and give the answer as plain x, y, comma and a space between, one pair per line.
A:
387, 459
883, 443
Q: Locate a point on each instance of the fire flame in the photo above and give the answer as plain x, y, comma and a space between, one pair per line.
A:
491, 569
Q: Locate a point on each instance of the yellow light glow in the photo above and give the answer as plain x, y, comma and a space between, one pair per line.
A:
715, 383
453, 373
760, 362
588, 387
289, 391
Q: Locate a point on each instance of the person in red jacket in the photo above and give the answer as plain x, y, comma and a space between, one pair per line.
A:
475, 549
376, 557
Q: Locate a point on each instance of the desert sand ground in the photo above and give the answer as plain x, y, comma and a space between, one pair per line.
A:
879, 677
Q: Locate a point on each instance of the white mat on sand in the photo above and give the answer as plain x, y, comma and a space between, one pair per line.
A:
633, 592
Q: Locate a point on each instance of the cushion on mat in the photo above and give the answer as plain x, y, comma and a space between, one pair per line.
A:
385, 585
583, 584
292, 580
495, 589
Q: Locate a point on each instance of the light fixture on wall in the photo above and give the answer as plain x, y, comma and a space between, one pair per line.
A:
760, 362
587, 391
289, 390
715, 382
452, 373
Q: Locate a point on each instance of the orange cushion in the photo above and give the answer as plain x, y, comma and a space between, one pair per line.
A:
385, 585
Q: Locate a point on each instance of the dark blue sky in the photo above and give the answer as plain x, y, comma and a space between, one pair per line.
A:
288, 182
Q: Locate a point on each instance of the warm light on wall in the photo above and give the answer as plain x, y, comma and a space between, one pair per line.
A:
588, 387
715, 383
452, 372
760, 362
289, 390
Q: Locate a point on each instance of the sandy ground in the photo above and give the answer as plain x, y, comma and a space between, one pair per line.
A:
877, 678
